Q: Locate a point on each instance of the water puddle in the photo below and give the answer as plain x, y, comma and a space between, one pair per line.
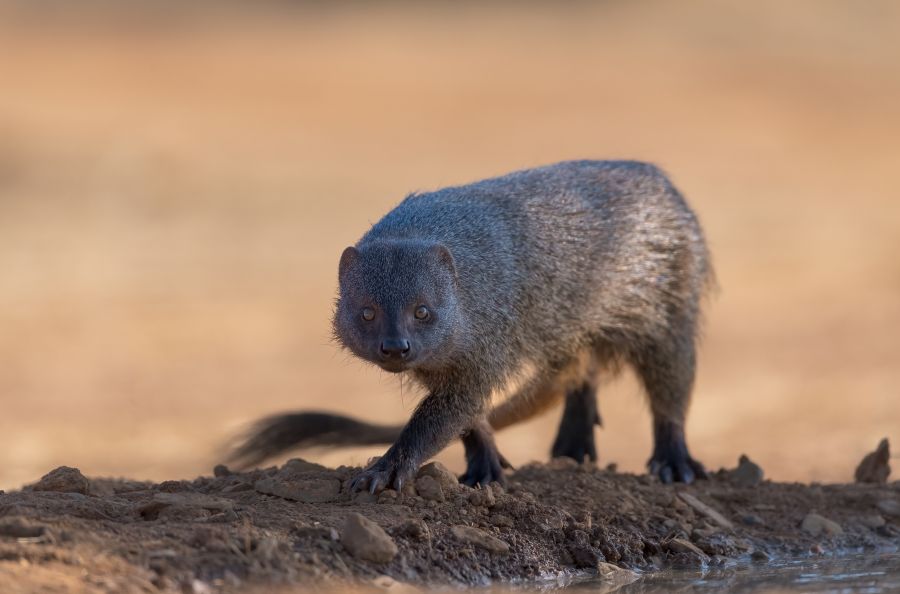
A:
865, 573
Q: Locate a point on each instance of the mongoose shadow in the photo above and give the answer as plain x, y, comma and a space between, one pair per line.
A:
529, 284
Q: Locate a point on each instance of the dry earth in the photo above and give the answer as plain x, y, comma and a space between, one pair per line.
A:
297, 525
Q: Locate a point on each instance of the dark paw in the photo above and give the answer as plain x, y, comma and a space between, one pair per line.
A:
484, 467
671, 461
677, 469
381, 475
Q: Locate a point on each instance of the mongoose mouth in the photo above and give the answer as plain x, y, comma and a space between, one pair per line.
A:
395, 365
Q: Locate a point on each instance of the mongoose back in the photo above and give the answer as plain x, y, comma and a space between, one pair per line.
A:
532, 284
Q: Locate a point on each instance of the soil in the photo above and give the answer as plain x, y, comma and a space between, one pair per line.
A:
298, 524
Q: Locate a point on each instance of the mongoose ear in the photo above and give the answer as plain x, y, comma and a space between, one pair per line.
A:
442, 255
347, 259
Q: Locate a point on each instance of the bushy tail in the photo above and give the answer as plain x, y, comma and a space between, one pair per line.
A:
277, 434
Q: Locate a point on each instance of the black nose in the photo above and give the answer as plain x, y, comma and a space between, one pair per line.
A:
395, 347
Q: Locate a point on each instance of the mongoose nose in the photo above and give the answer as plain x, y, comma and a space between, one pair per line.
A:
395, 347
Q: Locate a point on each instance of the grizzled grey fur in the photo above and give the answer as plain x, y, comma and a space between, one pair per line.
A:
539, 279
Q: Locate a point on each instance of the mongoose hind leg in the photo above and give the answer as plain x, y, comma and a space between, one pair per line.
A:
666, 369
484, 462
671, 461
575, 438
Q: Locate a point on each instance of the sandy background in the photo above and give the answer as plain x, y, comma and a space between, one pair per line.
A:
176, 188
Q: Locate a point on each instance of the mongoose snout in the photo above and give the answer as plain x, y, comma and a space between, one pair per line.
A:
395, 348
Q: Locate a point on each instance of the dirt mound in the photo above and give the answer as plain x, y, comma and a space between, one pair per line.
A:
298, 524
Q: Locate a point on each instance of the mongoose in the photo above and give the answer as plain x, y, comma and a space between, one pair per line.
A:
531, 284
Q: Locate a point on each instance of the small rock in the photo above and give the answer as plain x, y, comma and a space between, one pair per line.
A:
415, 529
220, 471
16, 528
706, 510
238, 487
429, 488
388, 496
482, 497
759, 556
751, 520
680, 545
874, 467
446, 479
385, 582
815, 525
366, 540
747, 473
299, 466
889, 507
501, 521
479, 538
874, 521
64, 480
617, 576
185, 506
613, 468
311, 490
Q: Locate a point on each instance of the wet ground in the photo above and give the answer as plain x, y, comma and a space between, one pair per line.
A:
298, 526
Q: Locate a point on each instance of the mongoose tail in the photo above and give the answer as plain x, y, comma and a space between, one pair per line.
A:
280, 433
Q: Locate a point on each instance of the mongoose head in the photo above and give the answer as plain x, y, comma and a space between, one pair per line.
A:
398, 305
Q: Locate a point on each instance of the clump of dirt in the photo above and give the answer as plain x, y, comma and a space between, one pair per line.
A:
299, 524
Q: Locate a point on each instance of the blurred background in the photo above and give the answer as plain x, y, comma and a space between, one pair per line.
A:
177, 183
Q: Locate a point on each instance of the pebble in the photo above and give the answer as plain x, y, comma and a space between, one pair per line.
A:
429, 488
874, 521
479, 538
415, 529
64, 480
815, 525
706, 510
16, 528
617, 576
310, 490
220, 470
366, 540
874, 467
759, 556
752, 520
483, 497
889, 507
747, 473
446, 479
388, 496
680, 545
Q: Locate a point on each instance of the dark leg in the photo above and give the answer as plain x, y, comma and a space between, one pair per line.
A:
666, 368
438, 420
671, 460
484, 463
575, 438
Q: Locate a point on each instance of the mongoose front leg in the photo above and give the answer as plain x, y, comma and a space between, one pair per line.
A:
440, 418
484, 462
575, 438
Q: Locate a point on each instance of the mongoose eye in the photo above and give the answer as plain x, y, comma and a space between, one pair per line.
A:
421, 313
368, 314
